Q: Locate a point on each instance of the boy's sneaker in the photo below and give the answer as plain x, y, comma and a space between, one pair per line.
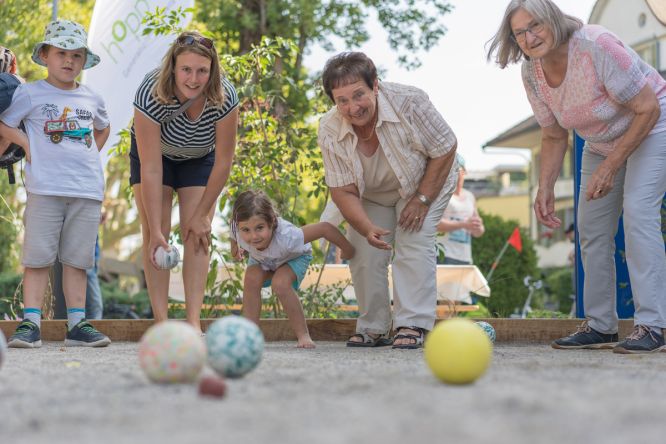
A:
641, 340
588, 338
26, 336
85, 335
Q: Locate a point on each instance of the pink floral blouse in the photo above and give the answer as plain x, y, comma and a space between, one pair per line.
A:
602, 74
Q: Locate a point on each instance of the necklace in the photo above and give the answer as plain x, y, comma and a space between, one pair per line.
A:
372, 133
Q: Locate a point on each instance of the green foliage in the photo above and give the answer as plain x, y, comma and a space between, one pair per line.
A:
22, 24
411, 25
559, 283
10, 225
274, 154
162, 23
324, 302
547, 314
507, 290
222, 292
10, 295
115, 298
481, 313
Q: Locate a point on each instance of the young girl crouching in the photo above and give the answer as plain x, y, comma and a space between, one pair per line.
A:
280, 253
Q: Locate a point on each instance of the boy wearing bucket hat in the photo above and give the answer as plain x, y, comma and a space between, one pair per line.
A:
66, 125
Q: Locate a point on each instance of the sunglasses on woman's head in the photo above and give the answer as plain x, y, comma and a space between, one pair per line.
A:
190, 40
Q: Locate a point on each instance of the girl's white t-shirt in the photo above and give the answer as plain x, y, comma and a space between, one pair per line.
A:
288, 243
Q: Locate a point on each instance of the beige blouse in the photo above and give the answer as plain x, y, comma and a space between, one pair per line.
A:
410, 131
381, 184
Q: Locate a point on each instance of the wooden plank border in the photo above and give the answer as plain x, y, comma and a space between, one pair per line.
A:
508, 330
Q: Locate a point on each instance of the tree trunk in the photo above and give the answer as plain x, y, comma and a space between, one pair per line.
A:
249, 37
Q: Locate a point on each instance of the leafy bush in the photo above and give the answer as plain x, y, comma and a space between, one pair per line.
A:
119, 304
323, 301
559, 282
507, 290
546, 314
10, 294
10, 225
481, 313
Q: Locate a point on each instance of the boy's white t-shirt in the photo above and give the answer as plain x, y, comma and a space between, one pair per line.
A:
59, 123
288, 243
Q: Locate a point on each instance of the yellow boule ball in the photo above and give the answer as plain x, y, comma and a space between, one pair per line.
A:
457, 351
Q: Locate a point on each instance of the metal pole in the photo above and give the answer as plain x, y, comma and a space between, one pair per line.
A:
54, 11
496, 262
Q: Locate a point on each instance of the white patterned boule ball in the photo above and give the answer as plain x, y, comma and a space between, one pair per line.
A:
166, 260
235, 346
172, 352
3, 348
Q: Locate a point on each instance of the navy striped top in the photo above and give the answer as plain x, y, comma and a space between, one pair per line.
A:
183, 138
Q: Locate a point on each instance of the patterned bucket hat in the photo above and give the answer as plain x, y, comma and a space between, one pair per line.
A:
65, 34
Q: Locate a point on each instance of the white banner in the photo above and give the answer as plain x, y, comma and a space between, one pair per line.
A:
127, 55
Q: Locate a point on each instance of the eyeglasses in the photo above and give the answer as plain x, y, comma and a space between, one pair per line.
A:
520, 35
190, 40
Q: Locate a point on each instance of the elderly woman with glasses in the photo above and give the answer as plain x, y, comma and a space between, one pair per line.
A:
388, 157
183, 141
583, 77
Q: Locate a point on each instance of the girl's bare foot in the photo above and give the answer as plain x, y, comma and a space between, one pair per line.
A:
305, 342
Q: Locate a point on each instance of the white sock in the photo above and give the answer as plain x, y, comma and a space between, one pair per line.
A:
74, 316
34, 315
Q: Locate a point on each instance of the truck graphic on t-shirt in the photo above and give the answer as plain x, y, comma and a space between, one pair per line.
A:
57, 129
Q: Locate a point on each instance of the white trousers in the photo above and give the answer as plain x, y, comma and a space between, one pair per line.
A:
413, 269
638, 189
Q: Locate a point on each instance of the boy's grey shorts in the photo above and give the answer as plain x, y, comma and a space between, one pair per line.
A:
64, 227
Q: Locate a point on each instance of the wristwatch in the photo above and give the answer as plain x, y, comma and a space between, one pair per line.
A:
424, 199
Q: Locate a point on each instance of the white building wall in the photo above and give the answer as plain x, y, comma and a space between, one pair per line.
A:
633, 22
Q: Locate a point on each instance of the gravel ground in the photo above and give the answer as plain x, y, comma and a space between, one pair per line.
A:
531, 394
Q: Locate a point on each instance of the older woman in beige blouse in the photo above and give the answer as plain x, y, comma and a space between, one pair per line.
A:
388, 157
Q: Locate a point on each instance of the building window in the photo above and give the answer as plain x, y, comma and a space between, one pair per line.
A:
648, 52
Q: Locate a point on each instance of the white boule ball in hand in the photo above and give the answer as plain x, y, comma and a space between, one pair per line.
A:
167, 259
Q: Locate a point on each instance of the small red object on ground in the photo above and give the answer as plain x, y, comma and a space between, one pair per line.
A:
212, 386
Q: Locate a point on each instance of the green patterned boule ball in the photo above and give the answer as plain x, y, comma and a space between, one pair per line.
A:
235, 346
490, 331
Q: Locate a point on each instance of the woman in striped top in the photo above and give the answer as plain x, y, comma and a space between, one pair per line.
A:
188, 151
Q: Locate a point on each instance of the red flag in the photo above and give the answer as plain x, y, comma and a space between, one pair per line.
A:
515, 241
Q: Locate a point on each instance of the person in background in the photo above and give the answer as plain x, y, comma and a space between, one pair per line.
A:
9, 81
459, 223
